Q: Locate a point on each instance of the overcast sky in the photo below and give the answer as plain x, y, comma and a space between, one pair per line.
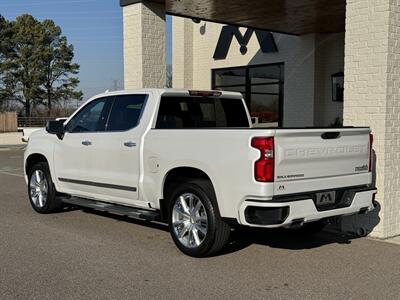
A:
94, 27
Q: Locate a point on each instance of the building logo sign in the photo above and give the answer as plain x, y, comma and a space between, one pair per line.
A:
265, 39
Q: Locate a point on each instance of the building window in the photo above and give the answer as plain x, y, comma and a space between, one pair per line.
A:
261, 87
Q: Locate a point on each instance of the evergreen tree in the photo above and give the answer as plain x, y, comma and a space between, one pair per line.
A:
5, 48
59, 83
36, 63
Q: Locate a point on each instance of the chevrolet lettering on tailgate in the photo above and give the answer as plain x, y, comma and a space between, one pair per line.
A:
316, 152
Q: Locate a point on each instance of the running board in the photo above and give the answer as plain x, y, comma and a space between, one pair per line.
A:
128, 211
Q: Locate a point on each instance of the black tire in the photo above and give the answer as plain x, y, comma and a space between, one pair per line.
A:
309, 229
52, 203
218, 231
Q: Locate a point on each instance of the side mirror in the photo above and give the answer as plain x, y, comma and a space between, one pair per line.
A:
56, 127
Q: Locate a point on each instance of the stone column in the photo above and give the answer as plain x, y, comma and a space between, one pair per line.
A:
372, 98
182, 53
144, 44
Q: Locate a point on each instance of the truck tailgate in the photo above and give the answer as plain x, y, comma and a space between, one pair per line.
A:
306, 154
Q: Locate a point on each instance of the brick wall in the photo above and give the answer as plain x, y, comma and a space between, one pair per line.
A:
182, 54
392, 137
372, 90
144, 45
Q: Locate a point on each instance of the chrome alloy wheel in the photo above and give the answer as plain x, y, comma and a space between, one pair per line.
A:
38, 188
189, 220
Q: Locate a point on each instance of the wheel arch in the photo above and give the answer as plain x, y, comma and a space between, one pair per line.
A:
182, 174
33, 159
176, 175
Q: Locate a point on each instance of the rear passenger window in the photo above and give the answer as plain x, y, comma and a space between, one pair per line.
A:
201, 112
125, 112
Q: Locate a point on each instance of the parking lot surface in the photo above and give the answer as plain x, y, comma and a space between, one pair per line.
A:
80, 254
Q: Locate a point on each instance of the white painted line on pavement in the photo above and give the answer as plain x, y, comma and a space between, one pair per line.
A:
11, 174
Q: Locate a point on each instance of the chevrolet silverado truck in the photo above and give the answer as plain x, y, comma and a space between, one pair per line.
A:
192, 159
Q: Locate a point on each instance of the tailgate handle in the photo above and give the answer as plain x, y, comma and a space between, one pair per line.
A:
330, 135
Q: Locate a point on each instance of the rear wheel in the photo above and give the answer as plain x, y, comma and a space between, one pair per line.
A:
41, 190
194, 220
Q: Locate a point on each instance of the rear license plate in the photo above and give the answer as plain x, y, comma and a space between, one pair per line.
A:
326, 198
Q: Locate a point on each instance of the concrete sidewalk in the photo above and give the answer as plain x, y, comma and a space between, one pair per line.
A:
393, 240
11, 139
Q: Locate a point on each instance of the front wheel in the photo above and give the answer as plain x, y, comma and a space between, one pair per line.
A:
41, 190
194, 220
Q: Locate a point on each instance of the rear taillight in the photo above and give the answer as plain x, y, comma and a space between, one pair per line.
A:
371, 141
265, 165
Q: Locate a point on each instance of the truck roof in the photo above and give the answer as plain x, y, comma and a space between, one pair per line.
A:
168, 92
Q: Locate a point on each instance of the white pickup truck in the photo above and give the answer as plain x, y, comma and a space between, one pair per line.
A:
192, 159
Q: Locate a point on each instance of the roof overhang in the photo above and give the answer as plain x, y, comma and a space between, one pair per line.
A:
286, 16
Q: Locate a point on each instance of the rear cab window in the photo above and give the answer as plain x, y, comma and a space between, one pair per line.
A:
188, 112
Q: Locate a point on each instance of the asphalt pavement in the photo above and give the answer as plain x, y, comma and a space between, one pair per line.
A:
81, 254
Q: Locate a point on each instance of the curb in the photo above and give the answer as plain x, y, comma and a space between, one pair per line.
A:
9, 147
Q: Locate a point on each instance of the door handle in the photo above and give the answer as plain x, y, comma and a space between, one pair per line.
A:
86, 143
130, 144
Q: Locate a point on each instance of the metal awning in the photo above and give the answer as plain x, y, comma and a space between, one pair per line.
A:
287, 16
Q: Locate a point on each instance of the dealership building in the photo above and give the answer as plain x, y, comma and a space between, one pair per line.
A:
298, 63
